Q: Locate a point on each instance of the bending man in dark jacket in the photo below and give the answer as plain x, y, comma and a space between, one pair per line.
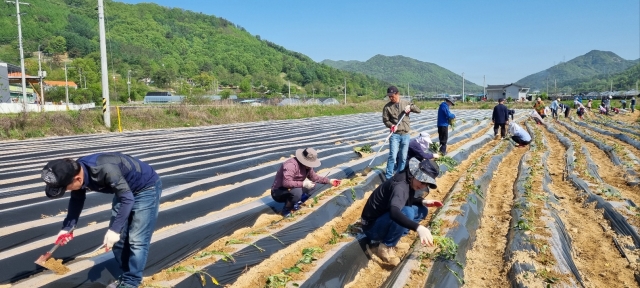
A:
137, 190
392, 210
500, 118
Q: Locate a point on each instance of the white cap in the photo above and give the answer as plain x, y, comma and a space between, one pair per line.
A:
425, 137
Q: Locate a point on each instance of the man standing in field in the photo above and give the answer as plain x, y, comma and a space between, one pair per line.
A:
500, 118
444, 119
392, 209
137, 188
399, 140
291, 185
539, 107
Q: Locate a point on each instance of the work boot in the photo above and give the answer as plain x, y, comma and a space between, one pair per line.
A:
403, 246
387, 254
304, 197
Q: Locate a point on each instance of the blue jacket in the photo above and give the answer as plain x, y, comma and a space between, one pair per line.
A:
111, 173
444, 115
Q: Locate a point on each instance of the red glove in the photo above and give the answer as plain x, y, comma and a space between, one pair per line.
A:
335, 182
64, 237
393, 128
431, 203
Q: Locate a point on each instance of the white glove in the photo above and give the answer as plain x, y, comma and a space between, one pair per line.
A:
436, 156
308, 184
63, 237
111, 238
407, 109
425, 235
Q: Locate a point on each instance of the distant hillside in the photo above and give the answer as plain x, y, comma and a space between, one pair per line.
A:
622, 81
582, 67
175, 48
400, 70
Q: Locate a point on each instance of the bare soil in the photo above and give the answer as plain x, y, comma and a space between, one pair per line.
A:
594, 253
485, 264
56, 266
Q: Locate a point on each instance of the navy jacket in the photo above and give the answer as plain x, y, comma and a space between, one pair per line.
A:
111, 173
444, 115
500, 114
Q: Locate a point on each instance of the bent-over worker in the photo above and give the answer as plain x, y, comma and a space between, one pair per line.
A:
291, 185
137, 188
392, 209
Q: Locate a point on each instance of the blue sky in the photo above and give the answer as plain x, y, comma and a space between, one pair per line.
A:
504, 40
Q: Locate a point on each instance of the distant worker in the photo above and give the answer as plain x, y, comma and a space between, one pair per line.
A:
633, 104
136, 188
295, 180
580, 111
392, 209
444, 118
589, 105
512, 113
519, 135
500, 118
539, 107
623, 103
399, 140
565, 109
554, 109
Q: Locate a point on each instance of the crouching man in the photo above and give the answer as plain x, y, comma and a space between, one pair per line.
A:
392, 209
137, 190
291, 186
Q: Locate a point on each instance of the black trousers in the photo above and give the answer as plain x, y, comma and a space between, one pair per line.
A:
290, 196
519, 140
566, 112
503, 130
443, 136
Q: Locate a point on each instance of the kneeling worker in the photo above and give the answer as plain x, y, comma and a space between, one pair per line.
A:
392, 209
519, 135
291, 185
137, 188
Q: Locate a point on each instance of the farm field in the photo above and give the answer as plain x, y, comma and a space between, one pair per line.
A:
561, 211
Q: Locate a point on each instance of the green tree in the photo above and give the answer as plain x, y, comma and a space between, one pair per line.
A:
57, 45
245, 85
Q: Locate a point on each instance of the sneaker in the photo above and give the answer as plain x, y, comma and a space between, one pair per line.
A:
286, 212
387, 254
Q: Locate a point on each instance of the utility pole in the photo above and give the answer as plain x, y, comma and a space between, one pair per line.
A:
484, 86
104, 69
24, 80
345, 90
40, 75
129, 83
611, 89
463, 87
555, 87
66, 85
289, 92
313, 92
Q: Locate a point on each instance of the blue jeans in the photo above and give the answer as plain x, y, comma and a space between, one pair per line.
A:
388, 231
132, 249
397, 144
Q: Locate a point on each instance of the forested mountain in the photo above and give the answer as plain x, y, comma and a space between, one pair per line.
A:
400, 70
167, 45
622, 81
602, 64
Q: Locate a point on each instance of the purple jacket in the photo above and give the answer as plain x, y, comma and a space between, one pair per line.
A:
291, 175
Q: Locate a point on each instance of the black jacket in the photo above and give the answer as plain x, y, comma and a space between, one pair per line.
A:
500, 114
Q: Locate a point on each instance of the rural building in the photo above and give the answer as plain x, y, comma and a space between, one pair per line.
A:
515, 91
52, 84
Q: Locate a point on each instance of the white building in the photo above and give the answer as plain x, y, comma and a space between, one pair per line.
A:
515, 91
